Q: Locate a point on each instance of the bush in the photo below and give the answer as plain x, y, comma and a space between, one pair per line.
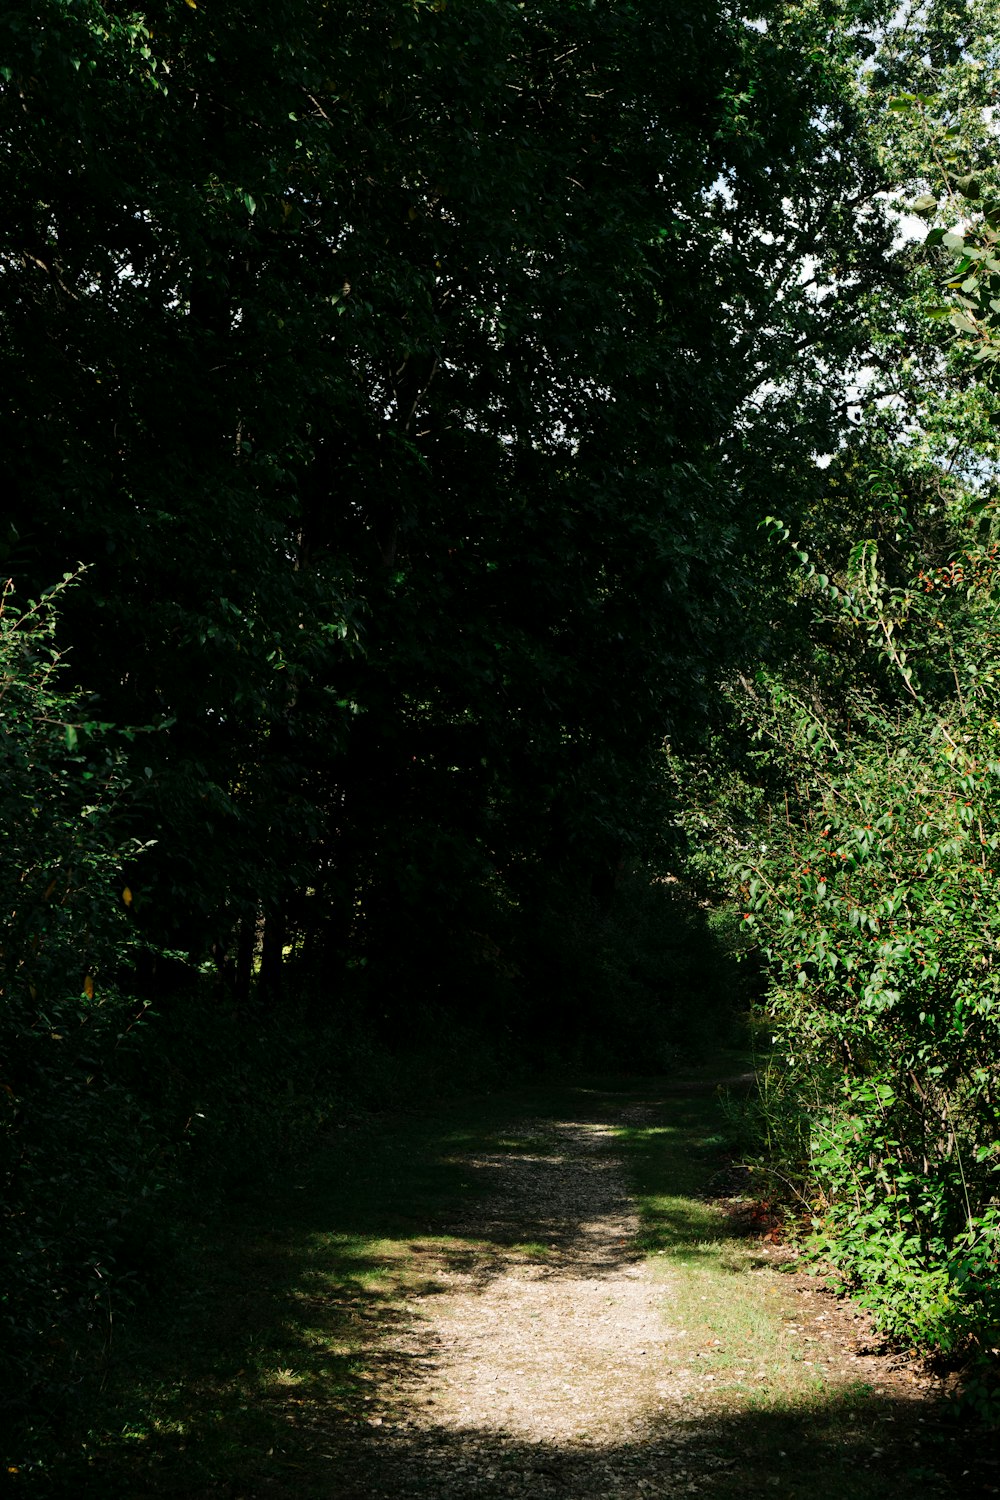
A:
874, 897
78, 1158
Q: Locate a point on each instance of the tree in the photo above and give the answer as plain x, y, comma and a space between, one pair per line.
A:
411, 383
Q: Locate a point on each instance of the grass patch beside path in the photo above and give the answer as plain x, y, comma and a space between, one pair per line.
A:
256, 1357
792, 1423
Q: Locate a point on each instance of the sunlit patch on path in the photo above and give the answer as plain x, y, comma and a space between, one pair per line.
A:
543, 1365
564, 1343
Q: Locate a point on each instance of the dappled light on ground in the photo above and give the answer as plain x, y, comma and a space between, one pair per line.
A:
528, 1302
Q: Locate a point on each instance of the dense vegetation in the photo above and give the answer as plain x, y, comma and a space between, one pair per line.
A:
849, 791
418, 416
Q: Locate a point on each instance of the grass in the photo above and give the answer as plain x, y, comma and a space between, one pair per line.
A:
800, 1430
255, 1357
250, 1370
263, 1326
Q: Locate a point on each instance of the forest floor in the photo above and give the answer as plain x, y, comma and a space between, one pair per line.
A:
558, 1292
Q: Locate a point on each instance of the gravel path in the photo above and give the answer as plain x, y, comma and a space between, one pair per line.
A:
542, 1360
539, 1369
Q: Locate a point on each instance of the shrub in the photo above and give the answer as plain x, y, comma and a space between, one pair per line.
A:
873, 895
78, 1160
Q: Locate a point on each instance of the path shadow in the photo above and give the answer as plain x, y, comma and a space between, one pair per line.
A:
855, 1447
852, 1447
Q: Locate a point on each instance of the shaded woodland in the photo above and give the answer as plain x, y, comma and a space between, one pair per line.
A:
499, 505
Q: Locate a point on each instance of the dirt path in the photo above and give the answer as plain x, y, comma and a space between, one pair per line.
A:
517, 1296
513, 1297
540, 1368
558, 1358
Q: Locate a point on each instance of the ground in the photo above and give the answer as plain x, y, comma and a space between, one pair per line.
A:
555, 1292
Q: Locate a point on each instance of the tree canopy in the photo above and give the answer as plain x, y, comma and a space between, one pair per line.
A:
401, 378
